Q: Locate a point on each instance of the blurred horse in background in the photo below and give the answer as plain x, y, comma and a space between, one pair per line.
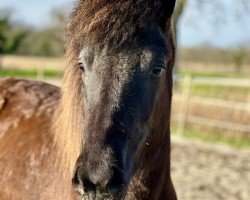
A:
110, 127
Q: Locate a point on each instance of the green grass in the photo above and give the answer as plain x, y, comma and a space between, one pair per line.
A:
232, 93
222, 92
28, 73
238, 143
213, 74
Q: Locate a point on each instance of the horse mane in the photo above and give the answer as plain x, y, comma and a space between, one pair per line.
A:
109, 22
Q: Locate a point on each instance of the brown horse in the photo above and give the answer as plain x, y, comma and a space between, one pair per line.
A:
112, 134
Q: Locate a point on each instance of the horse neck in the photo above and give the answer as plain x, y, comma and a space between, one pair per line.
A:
152, 180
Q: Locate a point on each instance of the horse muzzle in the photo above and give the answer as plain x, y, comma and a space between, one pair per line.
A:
98, 182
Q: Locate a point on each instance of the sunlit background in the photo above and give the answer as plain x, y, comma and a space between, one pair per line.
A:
211, 101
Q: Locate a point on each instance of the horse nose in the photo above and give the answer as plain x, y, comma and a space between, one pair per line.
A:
82, 184
85, 183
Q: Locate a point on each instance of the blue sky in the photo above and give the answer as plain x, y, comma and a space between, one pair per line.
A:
216, 26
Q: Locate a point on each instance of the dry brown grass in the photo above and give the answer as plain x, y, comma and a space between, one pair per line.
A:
29, 62
209, 67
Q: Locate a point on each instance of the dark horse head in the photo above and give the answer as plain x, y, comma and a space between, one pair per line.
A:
122, 52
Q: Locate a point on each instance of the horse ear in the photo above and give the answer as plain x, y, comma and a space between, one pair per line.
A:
167, 11
169, 6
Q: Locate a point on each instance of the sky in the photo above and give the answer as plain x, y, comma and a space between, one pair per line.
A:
211, 25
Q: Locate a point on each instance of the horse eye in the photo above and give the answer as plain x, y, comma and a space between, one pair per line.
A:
157, 71
81, 66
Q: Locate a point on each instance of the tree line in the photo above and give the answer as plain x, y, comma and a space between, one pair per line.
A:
16, 38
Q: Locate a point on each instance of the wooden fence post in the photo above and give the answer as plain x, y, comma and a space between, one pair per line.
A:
40, 72
187, 87
248, 100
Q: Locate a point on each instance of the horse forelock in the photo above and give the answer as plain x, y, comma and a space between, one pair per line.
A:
112, 22
68, 122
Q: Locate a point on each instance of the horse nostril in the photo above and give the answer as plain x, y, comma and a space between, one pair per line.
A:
75, 180
76, 183
116, 182
88, 186
82, 184
110, 184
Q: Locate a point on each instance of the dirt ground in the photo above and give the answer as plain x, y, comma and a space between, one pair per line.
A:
205, 171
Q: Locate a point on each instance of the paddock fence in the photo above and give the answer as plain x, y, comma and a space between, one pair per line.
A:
214, 111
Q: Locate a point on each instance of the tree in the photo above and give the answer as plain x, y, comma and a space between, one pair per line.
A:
11, 35
239, 58
180, 6
48, 41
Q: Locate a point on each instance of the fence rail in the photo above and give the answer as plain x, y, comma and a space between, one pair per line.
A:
185, 98
241, 82
216, 102
214, 123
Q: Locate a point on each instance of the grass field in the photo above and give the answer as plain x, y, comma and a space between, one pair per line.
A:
238, 143
221, 92
27, 63
29, 73
218, 74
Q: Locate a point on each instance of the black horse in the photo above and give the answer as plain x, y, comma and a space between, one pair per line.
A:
112, 123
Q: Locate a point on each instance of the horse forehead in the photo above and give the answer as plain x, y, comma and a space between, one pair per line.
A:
108, 68
107, 75
109, 54
145, 39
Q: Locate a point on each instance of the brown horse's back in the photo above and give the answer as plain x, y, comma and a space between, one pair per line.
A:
26, 110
